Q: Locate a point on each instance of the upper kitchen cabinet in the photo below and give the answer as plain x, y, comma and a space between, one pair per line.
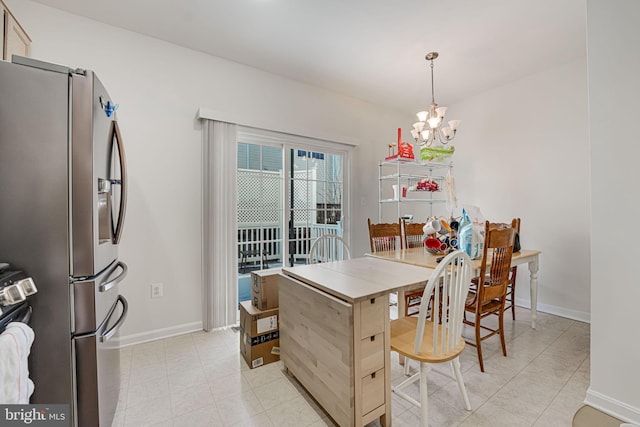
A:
14, 39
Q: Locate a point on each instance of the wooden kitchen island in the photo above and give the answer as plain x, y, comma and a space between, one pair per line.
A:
334, 333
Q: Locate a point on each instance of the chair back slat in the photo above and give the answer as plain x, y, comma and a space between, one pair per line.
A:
384, 237
328, 248
412, 234
498, 245
449, 285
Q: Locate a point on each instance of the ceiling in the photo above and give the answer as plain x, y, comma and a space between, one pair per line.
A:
373, 50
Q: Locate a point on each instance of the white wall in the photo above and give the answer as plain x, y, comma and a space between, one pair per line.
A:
522, 151
160, 87
614, 90
537, 125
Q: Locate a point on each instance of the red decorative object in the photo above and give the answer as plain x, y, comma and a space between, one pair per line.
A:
427, 185
405, 150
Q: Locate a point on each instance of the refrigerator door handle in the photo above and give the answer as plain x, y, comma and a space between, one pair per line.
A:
112, 331
111, 283
115, 131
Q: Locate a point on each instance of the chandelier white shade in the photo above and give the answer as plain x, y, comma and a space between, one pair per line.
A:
429, 127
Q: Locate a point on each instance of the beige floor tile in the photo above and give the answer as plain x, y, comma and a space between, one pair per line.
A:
203, 417
186, 376
147, 373
490, 415
264, 374
189, 399
234, 383
143, 391
293, 413
149, 413
234, 408
259, 420
323, 422
200, 379
222, 367
275, 393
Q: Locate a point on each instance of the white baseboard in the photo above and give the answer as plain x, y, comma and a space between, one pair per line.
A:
612, 407
580, 316
158, 334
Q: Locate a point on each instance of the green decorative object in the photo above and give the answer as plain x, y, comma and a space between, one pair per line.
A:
430, 154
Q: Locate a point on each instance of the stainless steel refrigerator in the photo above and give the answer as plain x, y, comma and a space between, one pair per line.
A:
62, 207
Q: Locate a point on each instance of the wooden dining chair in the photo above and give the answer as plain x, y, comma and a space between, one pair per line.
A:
511, 288
439, 338
384, 237
328, 248
411, 234
487, 296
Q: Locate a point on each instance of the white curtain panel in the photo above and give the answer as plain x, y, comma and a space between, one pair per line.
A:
219, 235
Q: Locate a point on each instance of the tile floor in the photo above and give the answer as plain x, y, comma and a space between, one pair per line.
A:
200, 379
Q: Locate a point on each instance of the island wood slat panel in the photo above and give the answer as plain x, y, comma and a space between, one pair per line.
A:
319, 346
336, 350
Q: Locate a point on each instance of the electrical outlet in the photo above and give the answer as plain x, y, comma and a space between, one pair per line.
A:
156, 290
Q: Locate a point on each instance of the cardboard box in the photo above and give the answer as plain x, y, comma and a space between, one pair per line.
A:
264, 288
259, 335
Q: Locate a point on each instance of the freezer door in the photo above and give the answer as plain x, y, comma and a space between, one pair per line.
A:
34, 217
97, 365
93, 298
98, 177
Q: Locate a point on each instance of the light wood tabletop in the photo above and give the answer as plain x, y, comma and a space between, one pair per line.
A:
360, 278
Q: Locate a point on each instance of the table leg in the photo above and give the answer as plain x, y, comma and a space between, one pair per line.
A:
533, 284
401, 309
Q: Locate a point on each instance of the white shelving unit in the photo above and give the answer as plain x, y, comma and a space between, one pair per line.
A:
409, 174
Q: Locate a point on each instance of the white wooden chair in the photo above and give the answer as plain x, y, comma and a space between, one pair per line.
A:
327, 248
438, 339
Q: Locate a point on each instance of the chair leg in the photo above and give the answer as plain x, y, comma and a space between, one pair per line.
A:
455, 364
406, 366
501, 325
424, 402
513, 304
479, 342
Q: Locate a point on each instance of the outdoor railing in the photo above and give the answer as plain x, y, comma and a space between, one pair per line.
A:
252, 247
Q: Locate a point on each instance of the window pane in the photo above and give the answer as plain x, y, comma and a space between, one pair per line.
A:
272, 159
334, 168
301, 198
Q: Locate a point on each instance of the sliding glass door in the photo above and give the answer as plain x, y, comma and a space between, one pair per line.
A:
289, 193
315, 199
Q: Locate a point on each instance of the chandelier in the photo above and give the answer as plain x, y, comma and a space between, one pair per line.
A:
429, 127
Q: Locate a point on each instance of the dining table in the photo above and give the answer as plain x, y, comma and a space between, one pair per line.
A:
418, 256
